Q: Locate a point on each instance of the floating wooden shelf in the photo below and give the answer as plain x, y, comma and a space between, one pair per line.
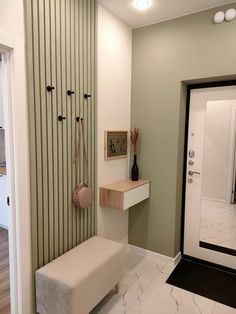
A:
124, 194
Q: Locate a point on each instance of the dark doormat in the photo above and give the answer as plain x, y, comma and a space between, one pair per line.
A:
211, 283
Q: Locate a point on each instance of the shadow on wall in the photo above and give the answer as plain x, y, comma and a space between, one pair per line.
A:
114, 231
140, 222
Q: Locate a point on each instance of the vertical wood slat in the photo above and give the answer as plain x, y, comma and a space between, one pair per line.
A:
61, 53
72, 227
54, 127
42, 66
84, 17
64, 124
38, 127
32, 135
69, 120
81, 111
88, 45
94, 114
59, 125
49, 126
76, 239
76, 229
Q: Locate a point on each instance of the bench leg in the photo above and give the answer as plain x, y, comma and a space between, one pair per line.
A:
117, 288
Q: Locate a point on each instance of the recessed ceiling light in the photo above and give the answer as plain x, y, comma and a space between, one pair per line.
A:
142, 4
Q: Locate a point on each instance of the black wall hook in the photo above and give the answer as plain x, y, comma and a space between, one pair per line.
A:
61, 118
70, 92
50, 88
77, 119
86, 96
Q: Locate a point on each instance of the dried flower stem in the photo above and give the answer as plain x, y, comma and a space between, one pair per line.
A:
134, 139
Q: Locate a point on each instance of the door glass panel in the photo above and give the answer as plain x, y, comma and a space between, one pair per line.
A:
218, 195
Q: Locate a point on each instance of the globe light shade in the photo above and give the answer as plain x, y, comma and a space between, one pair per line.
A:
219, 17
230, 14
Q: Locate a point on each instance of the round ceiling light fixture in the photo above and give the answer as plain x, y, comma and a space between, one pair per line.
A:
219, 17
142, 5
230, 14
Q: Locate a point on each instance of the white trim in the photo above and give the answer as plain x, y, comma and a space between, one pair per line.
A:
17, 158
155, 256
7, 109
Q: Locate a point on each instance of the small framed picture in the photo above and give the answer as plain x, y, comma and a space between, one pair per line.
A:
116, 142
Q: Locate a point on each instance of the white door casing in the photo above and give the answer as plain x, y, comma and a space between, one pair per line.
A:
196, 134
18, 178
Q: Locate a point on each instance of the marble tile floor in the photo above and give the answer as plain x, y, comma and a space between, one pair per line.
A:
143, 291
218, 224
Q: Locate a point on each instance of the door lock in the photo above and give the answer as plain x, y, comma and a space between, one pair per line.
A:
191, 153
190, 181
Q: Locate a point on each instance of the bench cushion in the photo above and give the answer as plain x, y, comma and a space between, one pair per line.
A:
76, 281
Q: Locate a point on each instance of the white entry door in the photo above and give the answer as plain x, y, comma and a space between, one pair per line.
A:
210, 215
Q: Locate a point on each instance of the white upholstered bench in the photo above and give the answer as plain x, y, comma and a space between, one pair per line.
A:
77, 281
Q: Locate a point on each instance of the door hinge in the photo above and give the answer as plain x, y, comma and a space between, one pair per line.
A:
8, 201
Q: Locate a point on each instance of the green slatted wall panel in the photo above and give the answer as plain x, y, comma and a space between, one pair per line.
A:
61, 53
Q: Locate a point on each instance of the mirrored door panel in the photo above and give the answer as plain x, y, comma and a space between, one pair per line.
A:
218, 201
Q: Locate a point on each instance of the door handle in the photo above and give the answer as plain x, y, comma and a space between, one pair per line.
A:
191, 173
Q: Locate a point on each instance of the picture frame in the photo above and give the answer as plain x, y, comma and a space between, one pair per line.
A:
115, 144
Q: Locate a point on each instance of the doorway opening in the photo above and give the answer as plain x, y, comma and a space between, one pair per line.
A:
7, 256
5, 306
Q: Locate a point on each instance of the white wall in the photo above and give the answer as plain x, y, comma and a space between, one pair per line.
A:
12, 34
4, 210
114, 106
216, 150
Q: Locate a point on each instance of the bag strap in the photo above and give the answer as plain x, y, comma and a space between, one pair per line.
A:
77, 154
85, 151
80, 132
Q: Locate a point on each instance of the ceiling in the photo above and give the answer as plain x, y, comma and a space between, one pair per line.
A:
161, 10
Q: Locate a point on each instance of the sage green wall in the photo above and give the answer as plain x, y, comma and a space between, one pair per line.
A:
165, 57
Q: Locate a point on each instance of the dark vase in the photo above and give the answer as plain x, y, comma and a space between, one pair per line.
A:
135, 171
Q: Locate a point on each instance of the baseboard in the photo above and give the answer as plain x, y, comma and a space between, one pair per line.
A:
155, 256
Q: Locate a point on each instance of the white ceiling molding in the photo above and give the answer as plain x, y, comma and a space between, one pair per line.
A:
161, 10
